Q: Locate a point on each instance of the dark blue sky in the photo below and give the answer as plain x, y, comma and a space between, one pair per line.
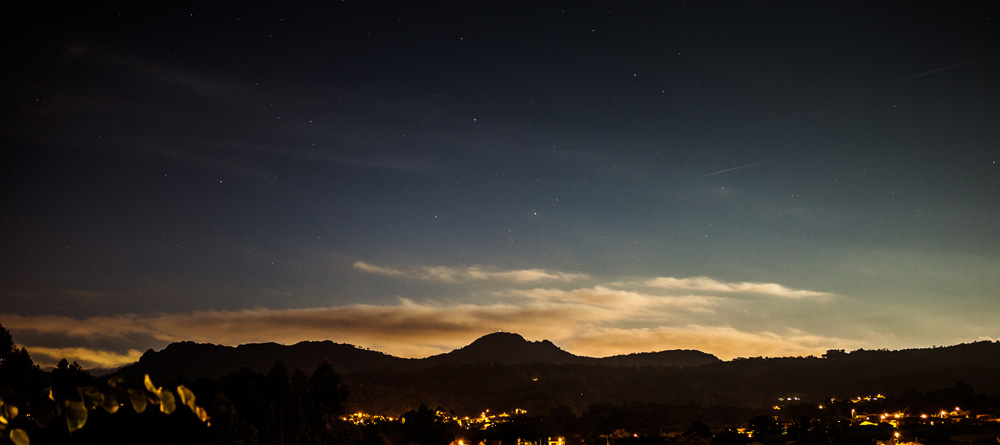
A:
769, 178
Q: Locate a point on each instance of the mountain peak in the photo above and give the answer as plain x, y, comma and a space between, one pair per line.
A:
499, 339
507, 348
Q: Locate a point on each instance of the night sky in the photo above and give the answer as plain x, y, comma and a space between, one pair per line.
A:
742, 178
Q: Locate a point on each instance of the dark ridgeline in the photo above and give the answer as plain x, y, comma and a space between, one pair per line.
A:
508, 348
189, 359
503, 371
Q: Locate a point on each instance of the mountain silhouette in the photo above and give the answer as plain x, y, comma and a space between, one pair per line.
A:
504, 371
507, 348
189, 359
541, 387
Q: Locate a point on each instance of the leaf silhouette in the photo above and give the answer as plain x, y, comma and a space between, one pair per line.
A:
110, 404
187, 398
150, 387
167, 402
19, 437
138, 400
76, 415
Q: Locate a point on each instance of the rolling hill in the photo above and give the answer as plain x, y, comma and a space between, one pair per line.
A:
502, 371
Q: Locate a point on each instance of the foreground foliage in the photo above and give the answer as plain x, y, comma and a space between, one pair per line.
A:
75, 407
68, 405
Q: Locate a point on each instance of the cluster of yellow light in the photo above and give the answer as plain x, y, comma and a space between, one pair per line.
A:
551, 441
896, 419
891, 419
484, 420
867, 398
360, 418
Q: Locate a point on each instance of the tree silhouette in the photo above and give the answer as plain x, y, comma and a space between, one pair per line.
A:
325, 401
763, 428
698, 428
17, 370
426, 427
279, 396
20, 381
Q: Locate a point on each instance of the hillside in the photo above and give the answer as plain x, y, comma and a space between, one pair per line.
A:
193, 360
755, 382
502, 371
188, 359
506, 348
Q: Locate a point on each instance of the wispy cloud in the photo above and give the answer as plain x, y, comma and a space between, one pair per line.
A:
621, 301
706, 284
452, 274
371, 268
585, 318
88, 358
407, 329
153, 70
411, 329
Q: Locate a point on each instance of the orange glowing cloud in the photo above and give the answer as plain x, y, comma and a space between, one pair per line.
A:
705, 284
596, 320
451, 274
